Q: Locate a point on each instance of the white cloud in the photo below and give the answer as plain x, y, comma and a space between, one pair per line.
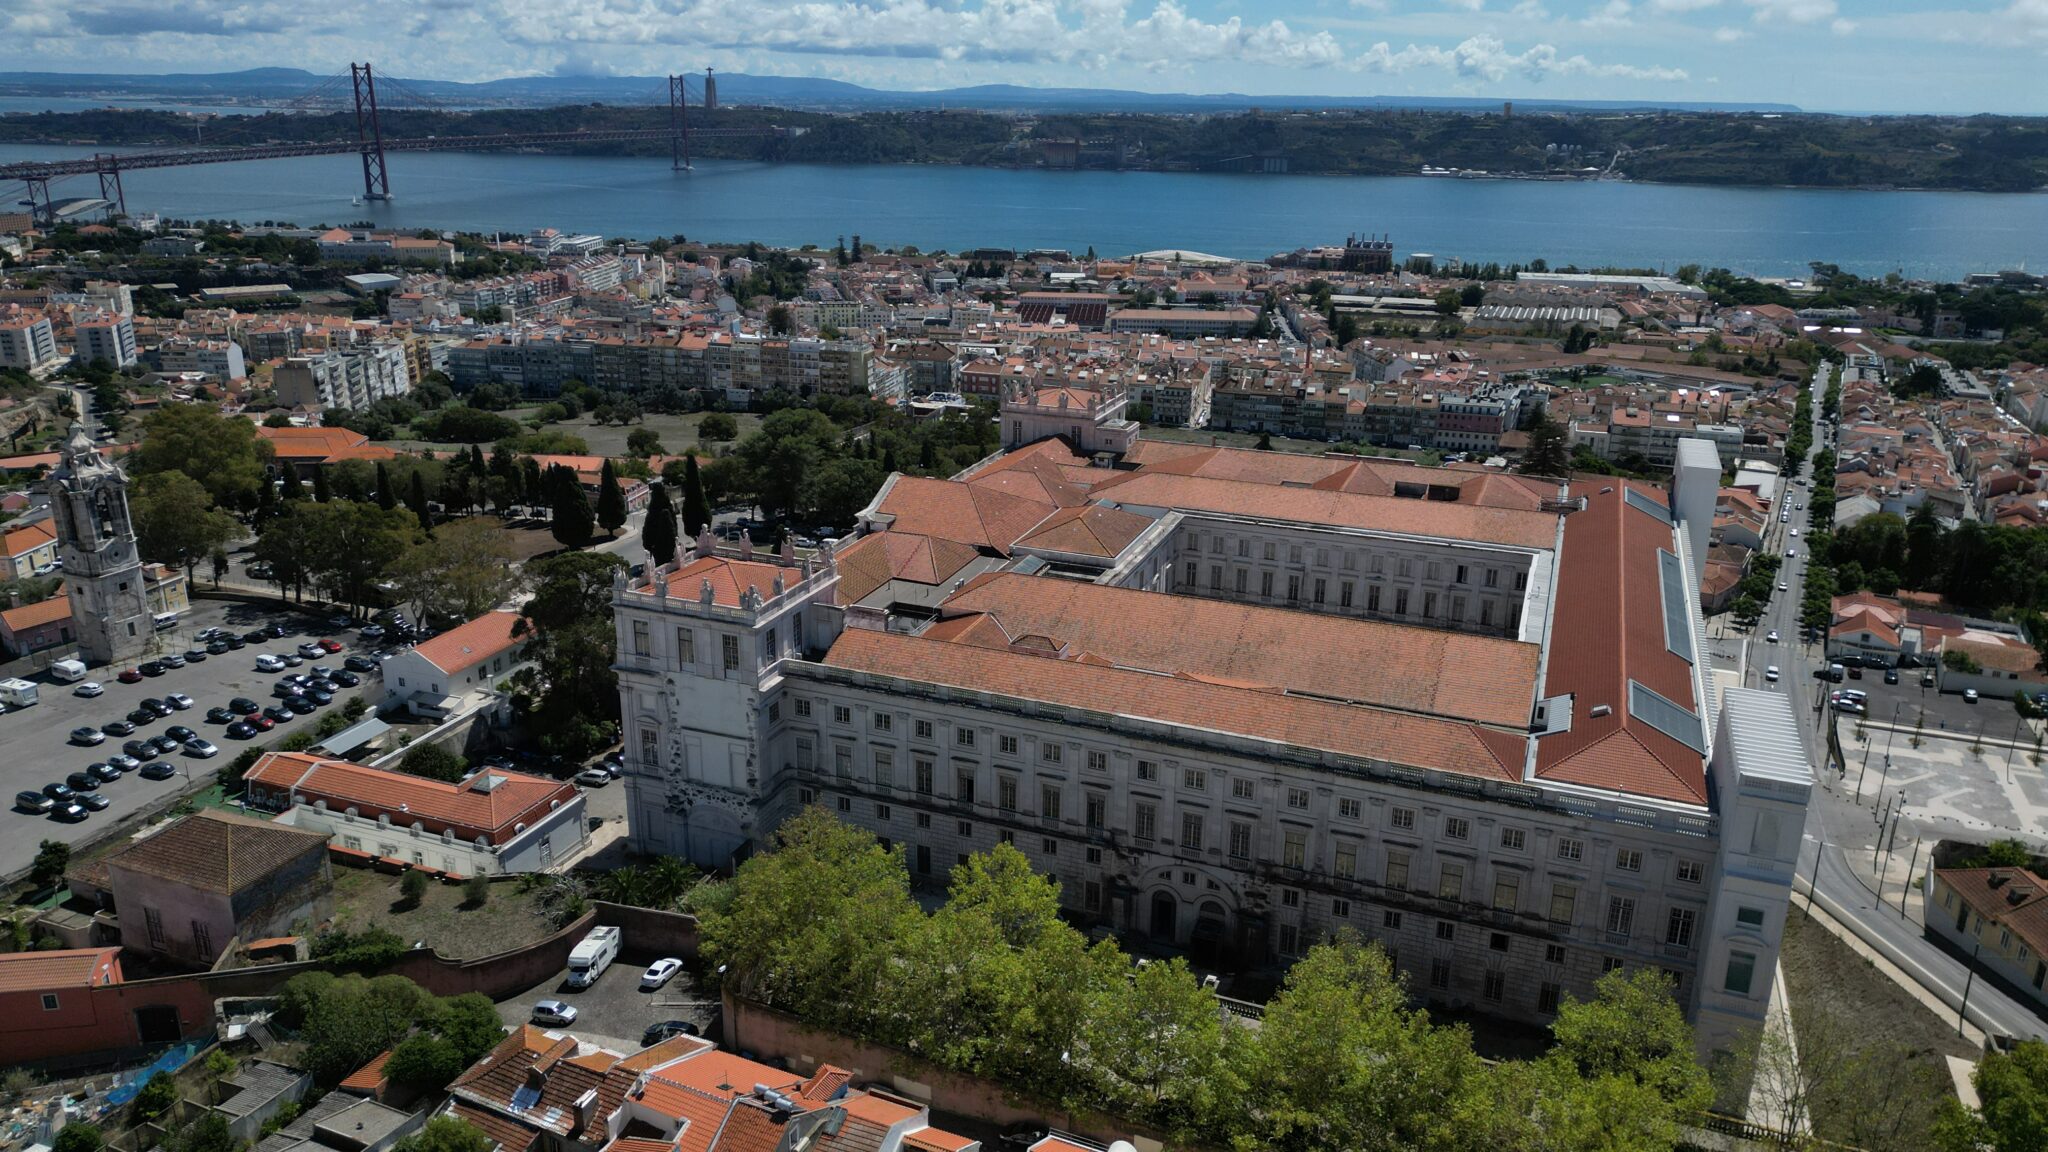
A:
1465, 5
1793, 11
1370, 5
1613, 14
1842, 27
1530, 10
1729, 35
1683, 5
1487, 58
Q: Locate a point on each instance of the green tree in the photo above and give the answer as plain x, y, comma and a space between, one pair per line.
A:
223, 453
611, 500
412, 887
176, 522
779, 320
447, 1133
1633, 1035
470, 1022
79, 1136
717, 426
423, 1061
1448, 301
432, 762
571, 520
416, 500
2012, 1094
159, 1094
1158, 1039
658, 532
476, 891
466, 568
354, 1019
350, 547
52, 857
322, 490
570, 694
1549, 451
644, 442
208, 1133
387, 496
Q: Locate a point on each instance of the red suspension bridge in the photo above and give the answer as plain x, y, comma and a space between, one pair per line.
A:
370, 143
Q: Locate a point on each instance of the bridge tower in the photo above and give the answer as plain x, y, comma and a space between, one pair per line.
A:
110, 185
678, 125
370, 134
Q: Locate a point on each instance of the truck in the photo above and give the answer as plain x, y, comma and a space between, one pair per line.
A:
592, 955
68, 671
15, 693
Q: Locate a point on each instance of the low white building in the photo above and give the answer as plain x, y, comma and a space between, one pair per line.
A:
454, 670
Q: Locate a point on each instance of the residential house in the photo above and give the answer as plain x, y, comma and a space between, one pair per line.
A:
184, 892
439, 677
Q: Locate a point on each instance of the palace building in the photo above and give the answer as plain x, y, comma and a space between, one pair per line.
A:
1237, 701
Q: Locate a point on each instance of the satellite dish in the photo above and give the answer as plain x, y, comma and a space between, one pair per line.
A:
1123, 1146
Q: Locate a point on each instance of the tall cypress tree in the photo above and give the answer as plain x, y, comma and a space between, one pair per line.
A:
417, 501
611, 500
532, 486
659, 534
696, 509
321, 492
572, 522
386, 498
477, 467
293, 489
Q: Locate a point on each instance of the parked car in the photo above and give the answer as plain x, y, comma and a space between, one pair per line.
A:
81, 782
658, 1032
660, 973
277, 715
201, 749
220, 716
88, 689
311, 650
140, 749
158, 770
555, 1013
329, 644
71, 812
242, 706
292, 659
218, 648
259, 721
95, 801
124, 762
58, 792
140, 715
346, 678
241, 730
33, 802
1891, 675
318, 695
162, 708
88, 735
372, 632
268, 663
120, 727
172, 660
104, 772
180, 733
179, 700
360, 664
1969, 695
593, 777
130, 676
235, 643
256, 636
195, 655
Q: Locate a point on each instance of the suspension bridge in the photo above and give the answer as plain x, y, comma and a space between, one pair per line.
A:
369, 142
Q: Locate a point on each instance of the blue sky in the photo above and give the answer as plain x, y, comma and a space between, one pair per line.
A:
1952, 56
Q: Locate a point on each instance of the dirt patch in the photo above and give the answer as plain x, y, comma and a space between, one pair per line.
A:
678, 432
1824, 974
363, 897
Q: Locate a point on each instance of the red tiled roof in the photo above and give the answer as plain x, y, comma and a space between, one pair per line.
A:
55, 971
29, 537
473, 643
217, 851
879, 557
370, 1077
509, 1134
973, 514
1440, 518
466, 807
1087, 530
729, 579
38, 614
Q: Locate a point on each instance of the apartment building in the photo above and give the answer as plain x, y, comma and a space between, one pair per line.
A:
216, 359
1184, 321
1235, 701
108, 337
27, 341
352, 377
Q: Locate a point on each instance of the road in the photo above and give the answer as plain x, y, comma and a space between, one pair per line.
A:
1837, 826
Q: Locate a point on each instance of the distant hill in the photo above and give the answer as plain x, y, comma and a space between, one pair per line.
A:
257, 85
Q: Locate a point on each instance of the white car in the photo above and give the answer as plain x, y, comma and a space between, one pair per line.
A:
311, 651
180, 701
1791, 553
268, 663
88, 689
1970, 695
659, 973
1784, 587
1771, 673
1795, 532
1771, 636
201, 749
554, 1012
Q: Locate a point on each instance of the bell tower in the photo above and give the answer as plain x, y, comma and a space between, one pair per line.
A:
96, 539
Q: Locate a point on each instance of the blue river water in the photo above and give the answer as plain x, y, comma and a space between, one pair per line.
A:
1761, 231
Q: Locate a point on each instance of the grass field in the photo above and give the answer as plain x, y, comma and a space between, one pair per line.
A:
677, 433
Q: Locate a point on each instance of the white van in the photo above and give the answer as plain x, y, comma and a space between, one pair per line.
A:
68, 671
592, 955
165, 621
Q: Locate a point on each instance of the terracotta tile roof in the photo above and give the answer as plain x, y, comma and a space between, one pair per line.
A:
982, 517
1608, 630
29, 537
38, 614
510, 1134
55, 971
1445, 519
879, 557
1088, 530
467, 645
936, 1140
701, 1089
2013, 897
642, 1144
1423, 742
825, 1082
312, 444
526, 1056
1412, 669
749, 1127
370, 1077
468, 807
857, 1134
729, 579
217, 851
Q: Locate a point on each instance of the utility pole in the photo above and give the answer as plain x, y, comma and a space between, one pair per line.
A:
1968, 979
369, 133
1910, 868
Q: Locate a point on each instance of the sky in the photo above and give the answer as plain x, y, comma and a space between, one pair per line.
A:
1945, 56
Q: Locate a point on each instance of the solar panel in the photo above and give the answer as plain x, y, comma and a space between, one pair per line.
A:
1677, 621
1666, 717
526, 1097
1642, 502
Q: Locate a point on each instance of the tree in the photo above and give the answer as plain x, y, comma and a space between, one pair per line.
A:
322, 492
52, 857
1158, 1038
223, 453
571, 521
176, 522
466, 568
79, 1136
570, 694
717, 426
447, 1132
476, 891
696, 507
433, 762
611, 500
2012, 1114
1449, 301
413, 887
387, 496
779, 320
350, 547
1633, 1031
290, 487
644, 442
352, 1020
1549, 451
421, 1061
416, 501
658, 532
159, 1094
470, 1022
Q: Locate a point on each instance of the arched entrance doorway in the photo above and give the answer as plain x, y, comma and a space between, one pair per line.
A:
1165, 916
1209, 943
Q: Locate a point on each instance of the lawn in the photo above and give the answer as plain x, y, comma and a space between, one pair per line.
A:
677, 432
364, 897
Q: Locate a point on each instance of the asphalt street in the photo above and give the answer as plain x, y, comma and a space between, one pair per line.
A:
36, 747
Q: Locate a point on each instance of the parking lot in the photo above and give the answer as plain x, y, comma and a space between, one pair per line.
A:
614, 1011
1932, 709
36, 748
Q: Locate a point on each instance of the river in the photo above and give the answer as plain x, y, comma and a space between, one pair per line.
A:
1761, 231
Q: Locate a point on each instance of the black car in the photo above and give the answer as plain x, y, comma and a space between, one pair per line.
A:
279, 714
220, 716
241, 730
217, 648
1891, 675
256, 636
658, 1032
120, 728
300, 705
104, 772
346, 679
81, 782
58, 792
180, 733
151, 668
144, 749
160, 707
360, 664
235, 643
95, 801
284, 688
243, 706
319, 695
141, 715
34, 802
158, 770
279, 631
70, 813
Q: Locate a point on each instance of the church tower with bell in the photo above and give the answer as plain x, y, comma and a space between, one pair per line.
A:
96, 539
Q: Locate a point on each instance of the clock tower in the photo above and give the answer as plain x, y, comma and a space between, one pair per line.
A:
96, 539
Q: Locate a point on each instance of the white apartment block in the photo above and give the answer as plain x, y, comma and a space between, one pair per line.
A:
351, 377
107, 337
1237, 701
219, 359
27, 342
